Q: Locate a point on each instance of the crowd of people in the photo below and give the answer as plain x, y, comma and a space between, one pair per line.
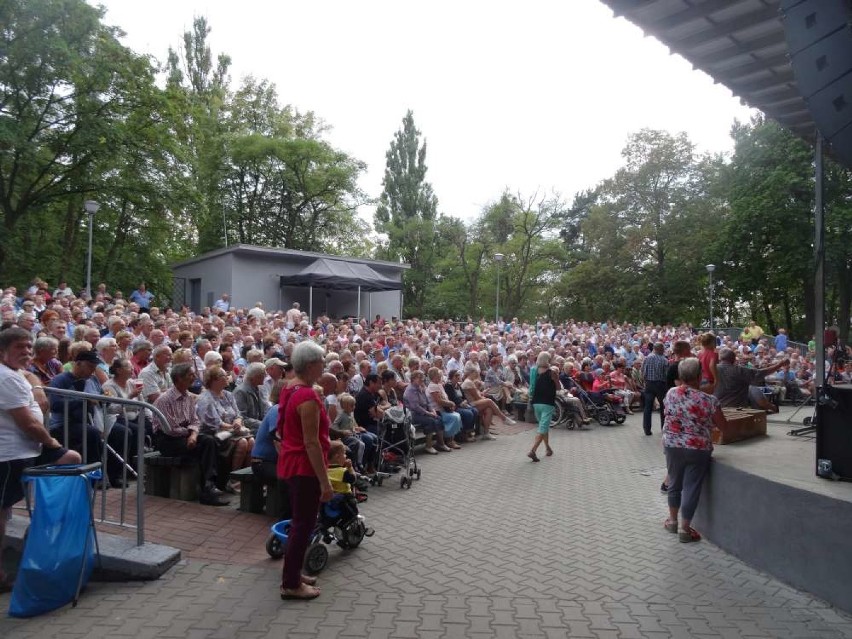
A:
226, 378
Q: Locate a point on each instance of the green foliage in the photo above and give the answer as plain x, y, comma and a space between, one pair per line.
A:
407, 213
81, 117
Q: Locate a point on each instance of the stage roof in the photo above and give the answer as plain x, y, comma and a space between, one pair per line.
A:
739, 43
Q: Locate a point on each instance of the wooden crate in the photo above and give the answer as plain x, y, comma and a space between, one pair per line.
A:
743, 423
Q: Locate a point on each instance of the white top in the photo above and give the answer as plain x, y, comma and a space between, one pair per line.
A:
15, 392
154, 380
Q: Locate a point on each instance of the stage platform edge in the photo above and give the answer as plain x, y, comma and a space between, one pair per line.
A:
763, 503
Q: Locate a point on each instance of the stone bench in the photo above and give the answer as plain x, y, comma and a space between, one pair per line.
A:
172, 477
258, 496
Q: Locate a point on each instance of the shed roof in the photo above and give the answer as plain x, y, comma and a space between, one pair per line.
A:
266, 251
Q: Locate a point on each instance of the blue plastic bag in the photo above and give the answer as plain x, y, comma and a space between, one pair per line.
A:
60, 544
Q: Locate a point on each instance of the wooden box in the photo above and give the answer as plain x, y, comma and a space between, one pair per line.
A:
743, 423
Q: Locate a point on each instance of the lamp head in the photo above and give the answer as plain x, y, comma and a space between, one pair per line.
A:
91, 206
710, 268
498, 257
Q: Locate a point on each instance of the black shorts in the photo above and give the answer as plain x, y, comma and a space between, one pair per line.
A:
11, 488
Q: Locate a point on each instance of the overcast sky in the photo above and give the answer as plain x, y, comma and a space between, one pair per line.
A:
534, 95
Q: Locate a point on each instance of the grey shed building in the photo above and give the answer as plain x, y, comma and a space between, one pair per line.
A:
322, 284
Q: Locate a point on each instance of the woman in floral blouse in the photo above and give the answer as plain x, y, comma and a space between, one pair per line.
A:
690, 416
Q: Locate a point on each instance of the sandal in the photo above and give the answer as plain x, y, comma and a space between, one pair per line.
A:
549, 452
670, 525
303, 592
533, 456
309, 580
688, 535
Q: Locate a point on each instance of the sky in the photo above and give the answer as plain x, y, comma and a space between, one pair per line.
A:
537, 96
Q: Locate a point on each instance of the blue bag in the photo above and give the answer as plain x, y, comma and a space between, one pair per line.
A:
59, 553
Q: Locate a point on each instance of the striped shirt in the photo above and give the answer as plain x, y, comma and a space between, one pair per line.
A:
654, 368
179, 409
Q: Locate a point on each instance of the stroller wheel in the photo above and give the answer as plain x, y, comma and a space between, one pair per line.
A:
316, 558
380, 480
604, 418
403, 481
275, 547
418, 473
620, 419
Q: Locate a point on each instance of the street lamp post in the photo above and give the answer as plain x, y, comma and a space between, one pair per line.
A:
710, 268
498, 257
91, 208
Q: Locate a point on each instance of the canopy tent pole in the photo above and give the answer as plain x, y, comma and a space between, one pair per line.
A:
310, 305
369, 308
358, 317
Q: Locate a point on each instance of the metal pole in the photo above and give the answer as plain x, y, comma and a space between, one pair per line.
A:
711, 301
819, 274
89, 260
358, 317
310, 304
497, 309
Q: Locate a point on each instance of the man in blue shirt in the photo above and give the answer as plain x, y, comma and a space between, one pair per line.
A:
143, 297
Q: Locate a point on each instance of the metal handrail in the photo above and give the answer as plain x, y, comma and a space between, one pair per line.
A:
103, 401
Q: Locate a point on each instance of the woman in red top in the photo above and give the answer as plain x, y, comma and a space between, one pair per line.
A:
303, 430
708, 357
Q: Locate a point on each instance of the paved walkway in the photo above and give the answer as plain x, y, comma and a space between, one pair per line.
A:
487, 544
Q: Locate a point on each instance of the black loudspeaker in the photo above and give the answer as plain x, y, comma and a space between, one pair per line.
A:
819, 39
834, 431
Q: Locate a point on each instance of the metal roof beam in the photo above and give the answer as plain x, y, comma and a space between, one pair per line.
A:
727, 28
697, 11
758, 64
756, 86
709, 61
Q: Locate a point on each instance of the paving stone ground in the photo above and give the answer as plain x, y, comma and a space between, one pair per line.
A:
487, 544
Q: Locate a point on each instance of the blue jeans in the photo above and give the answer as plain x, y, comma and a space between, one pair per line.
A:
468, 418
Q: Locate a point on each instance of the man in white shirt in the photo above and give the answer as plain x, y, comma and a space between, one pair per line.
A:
223, 304
155, 376
24, 441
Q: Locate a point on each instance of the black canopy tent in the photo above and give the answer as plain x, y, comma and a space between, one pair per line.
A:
336, 274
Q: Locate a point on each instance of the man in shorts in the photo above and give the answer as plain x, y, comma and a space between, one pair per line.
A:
24, 441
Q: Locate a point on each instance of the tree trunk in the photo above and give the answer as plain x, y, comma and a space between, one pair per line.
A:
788, 316
118, 239
73, 216
767, 310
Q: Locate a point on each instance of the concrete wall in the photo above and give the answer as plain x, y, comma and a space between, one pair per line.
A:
800, 537
215, 275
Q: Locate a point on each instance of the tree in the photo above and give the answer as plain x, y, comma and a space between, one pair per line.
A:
198, 90
67, 90
407, 213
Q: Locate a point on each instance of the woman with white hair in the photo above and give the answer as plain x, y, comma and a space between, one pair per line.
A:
303, 431
544, 381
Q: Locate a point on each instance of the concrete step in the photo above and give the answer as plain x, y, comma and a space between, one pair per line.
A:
121, 559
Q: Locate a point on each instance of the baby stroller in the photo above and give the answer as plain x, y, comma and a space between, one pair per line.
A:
396, 448
335, 523
598, 407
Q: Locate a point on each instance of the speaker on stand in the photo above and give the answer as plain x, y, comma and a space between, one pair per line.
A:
834, 433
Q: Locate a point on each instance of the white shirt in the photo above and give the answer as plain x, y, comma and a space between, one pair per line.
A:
15, 392
154, 381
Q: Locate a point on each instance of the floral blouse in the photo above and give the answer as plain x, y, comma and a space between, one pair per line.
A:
689, 418
212, 411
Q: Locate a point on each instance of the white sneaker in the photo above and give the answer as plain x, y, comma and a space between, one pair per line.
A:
509, 420
488, 436
430, 451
